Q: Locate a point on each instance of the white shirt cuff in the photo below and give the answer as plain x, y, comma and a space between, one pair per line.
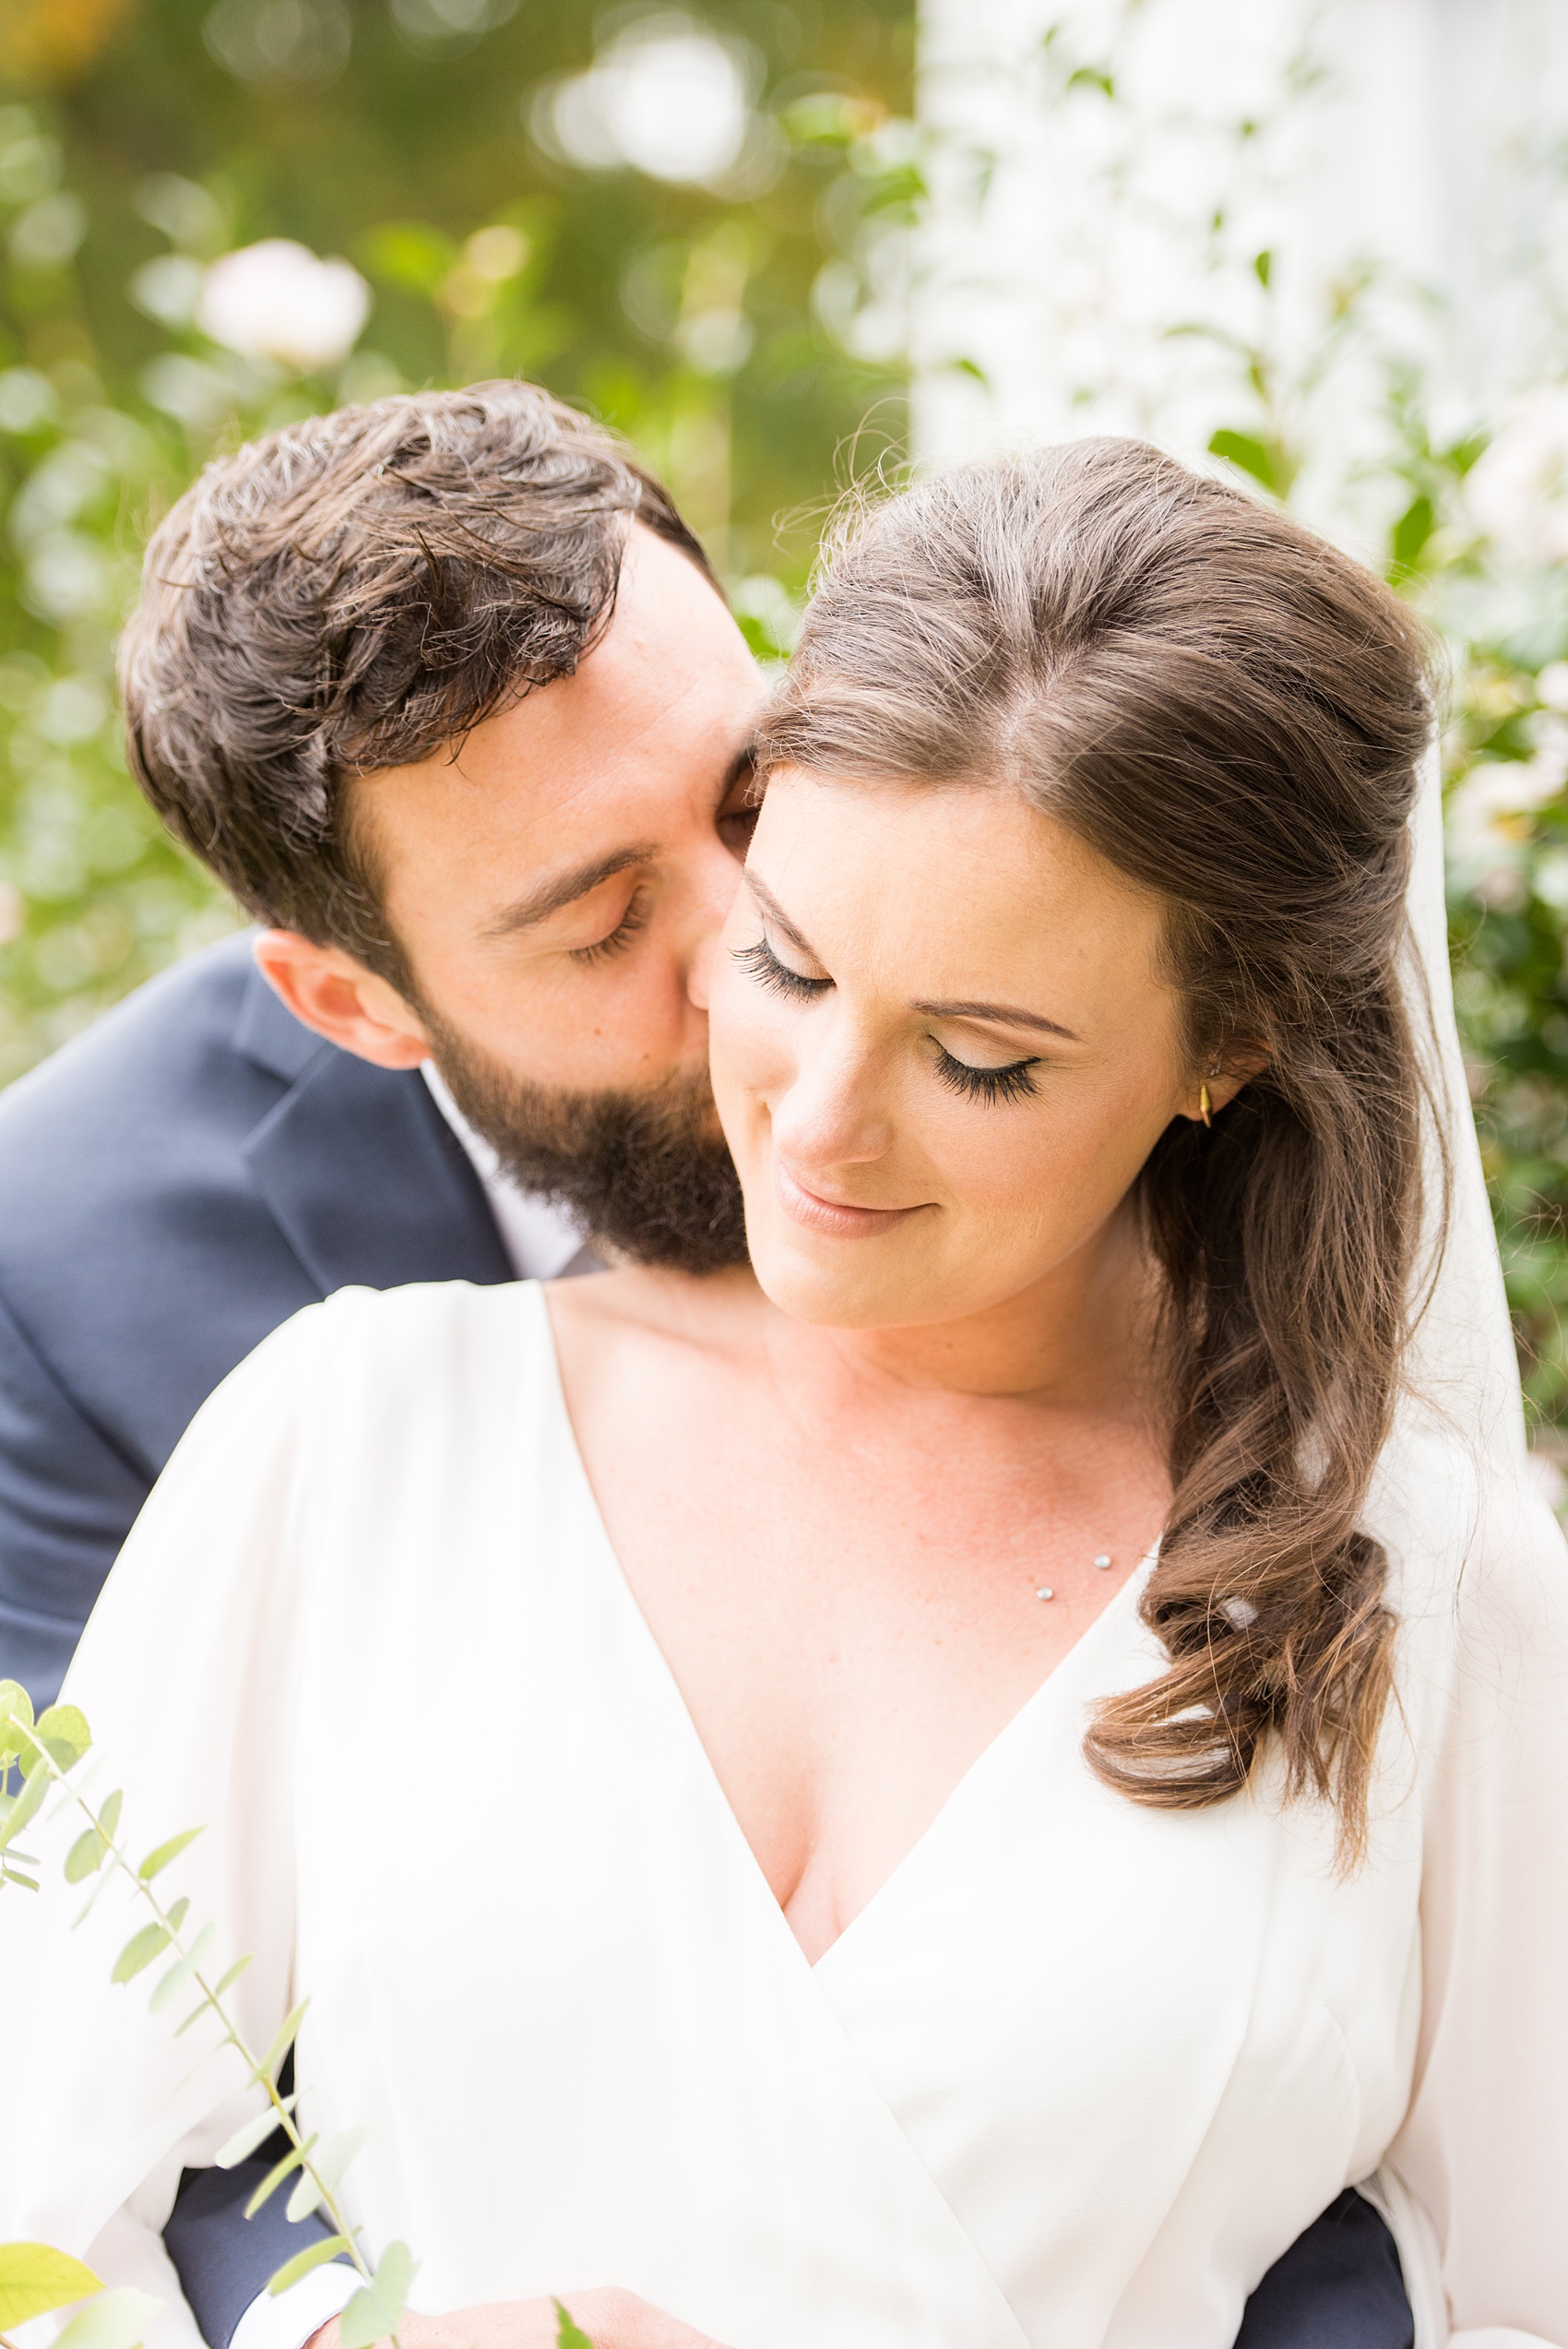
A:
287, 2322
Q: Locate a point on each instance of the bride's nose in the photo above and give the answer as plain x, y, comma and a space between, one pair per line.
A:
833, 1111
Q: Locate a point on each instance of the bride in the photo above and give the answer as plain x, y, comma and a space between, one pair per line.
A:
954, 1792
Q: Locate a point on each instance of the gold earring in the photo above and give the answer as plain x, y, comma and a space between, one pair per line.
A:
1204, 1105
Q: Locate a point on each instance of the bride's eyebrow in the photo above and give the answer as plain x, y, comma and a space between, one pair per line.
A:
775, 912
1006, 1015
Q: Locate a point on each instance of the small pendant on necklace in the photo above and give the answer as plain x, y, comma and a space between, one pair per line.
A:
1103, 1560
1045, 1592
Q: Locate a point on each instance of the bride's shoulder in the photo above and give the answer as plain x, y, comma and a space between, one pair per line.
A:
377, 1354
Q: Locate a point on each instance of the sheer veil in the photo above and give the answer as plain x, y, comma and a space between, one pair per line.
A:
1462, 1357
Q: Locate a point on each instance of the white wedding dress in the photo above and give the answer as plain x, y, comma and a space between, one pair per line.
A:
1075, 2078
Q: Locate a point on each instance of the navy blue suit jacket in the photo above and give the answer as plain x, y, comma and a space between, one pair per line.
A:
174, 1184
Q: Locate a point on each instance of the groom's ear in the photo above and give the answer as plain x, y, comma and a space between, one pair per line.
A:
327, 989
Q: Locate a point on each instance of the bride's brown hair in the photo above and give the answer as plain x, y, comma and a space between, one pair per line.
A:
1232, 713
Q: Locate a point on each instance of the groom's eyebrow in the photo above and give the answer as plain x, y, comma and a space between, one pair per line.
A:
565, 889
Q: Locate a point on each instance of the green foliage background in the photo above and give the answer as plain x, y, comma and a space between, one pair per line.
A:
125, 142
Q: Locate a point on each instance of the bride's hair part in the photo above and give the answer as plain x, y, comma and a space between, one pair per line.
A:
1232, 713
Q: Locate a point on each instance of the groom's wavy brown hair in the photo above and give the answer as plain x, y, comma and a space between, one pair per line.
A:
1232, 713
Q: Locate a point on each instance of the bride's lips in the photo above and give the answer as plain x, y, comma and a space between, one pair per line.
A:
817, 1214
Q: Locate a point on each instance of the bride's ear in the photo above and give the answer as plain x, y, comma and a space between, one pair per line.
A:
327, 989
1227, 1073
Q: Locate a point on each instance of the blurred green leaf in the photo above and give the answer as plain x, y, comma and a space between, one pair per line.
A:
569, 2334
158, 1859
35, 2278
65, 1733
280, 2169
139, 1951
179, 1974
1244, 450
1411, 533
115, 2320
27, 1805
85, 1855
283, 2042
255, 2131
303, 2262
376, 2308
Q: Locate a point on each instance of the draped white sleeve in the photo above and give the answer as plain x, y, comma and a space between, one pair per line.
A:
187, 1677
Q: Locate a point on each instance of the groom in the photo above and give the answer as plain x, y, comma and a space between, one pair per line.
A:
473, 744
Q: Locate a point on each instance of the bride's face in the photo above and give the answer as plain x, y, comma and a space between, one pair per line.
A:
942, 1046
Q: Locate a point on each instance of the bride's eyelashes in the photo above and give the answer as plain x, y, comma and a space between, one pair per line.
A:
1011, 1082
617, 940
763, 966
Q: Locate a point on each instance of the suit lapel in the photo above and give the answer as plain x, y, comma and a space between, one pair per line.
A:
367, 1182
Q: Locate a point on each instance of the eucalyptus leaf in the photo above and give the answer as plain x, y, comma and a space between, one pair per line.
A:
276, 2175
33, 2277
15, 1715
15, 1876
569, 2335
65, 1733
139, 1951
376, 2308
281, 2044
159, 1859
226, 1981
304, 2262
174, 1981
305, 2197
86, 1855
177, 1913
243, 2142
335, 2156
112, 2320
28, 1805
109, 1812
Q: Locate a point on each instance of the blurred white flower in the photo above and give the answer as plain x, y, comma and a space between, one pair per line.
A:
716, 343
27, 400
278, 42
66, 577
72, 710
666, 96
1517, 489
276, 300
168, 289
48, 233
444, 24
1489, 823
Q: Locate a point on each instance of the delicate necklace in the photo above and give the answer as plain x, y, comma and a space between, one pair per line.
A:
1101, 1562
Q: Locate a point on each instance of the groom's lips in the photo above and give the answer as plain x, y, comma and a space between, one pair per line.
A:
832, 1216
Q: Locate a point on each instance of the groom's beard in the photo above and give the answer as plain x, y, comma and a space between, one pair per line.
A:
646, 1174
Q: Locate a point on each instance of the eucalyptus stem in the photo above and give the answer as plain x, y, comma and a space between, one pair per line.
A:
232, 2036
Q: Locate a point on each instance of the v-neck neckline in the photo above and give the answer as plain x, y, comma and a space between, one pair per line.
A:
980, 1767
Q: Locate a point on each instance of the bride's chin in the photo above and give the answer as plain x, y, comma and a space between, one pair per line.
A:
828, 1283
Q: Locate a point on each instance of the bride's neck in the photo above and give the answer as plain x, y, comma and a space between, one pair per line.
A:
1081, 1336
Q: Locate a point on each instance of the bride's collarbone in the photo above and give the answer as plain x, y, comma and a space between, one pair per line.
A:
854, 1603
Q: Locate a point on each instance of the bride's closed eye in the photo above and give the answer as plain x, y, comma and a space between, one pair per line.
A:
763, 966
1010, 1083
